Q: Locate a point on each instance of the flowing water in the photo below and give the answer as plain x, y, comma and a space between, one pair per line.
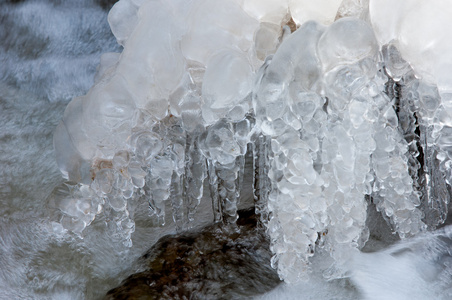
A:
48, 55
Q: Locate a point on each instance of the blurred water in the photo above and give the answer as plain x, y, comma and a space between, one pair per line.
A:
49, 51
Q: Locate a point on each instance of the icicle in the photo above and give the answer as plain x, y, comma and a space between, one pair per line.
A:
261, 184
399, 72
158, 185
157, 208
195, 173
177, 202
224, 181
213, 186
227, 191
436, 194
120, 225
240, 161
415, 123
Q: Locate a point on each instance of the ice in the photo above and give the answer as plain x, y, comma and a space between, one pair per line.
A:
227, 81
109, 108
353, 8
346, 41
429, 98
266, 11
195, 170
260, 182
123, 19
410, 24
74, 208
395, 65
162, 58
147, 145
322, 11
341, 116
357, 111
266, 39
71, 163
217, 25
219, 144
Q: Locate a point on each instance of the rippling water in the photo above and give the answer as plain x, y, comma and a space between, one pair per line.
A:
48, 54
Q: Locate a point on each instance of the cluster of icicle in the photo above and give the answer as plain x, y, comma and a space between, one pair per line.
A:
331, 117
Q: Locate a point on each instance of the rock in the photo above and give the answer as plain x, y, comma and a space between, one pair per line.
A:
213, 263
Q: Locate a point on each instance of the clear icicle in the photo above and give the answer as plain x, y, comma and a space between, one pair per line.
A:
195, 173
227, 191
224, 189
416, 103
159, 185
436, 194
177, 202
261, 182
240, 161
214, 195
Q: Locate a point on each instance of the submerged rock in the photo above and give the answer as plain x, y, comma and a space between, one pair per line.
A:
210, 264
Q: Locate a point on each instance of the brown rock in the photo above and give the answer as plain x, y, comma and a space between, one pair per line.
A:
215, 263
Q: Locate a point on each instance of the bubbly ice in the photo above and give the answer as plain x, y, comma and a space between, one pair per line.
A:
341, 113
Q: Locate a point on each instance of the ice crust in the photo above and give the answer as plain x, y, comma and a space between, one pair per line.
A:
347, 109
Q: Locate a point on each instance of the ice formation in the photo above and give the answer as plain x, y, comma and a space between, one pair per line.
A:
350, 107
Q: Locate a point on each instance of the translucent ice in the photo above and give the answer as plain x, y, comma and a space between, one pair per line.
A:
123, 19
342, 114
322, 11
411, 24
227, 81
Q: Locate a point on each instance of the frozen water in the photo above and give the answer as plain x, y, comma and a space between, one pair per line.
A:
349, 113
322, 11
323, 102
346, 41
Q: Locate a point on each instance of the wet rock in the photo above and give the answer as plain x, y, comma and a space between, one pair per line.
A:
211, 264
